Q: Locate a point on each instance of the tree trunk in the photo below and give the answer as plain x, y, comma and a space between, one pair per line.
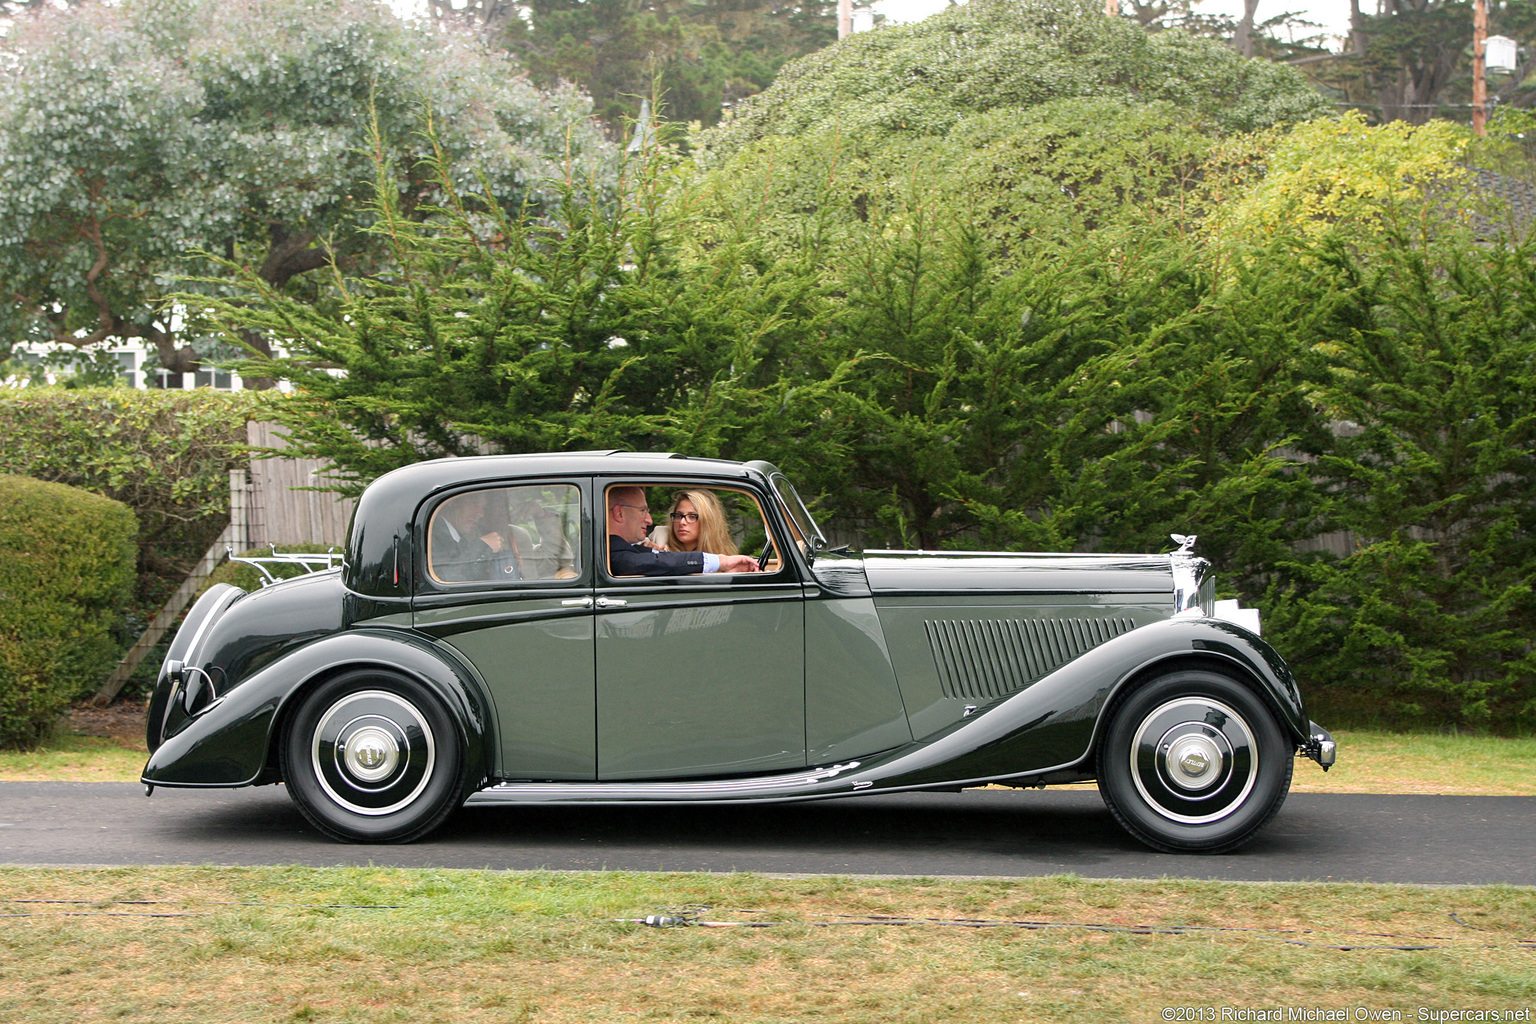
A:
1242, 36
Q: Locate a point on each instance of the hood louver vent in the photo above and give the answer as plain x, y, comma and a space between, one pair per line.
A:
984, 659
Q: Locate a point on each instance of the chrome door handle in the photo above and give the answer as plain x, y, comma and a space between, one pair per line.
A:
611, 602
576, 602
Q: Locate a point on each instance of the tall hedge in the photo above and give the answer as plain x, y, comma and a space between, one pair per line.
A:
66, 572
164, 454
1430, 618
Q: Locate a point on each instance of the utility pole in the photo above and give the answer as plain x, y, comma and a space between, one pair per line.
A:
1479, 67
844, 18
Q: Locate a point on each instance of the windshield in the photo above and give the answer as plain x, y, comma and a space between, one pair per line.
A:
808, 534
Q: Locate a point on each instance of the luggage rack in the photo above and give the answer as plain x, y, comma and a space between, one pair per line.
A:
312, 561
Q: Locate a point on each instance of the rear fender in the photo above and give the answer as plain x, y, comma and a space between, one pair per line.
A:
233, 741
163, 717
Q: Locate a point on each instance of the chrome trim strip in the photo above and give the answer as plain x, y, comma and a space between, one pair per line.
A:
217, 611
584, 791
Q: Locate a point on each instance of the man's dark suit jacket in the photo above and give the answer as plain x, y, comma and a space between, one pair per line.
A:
626, 559
467, 559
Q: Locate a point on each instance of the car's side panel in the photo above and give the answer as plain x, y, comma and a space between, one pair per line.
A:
852, 703
231, 741
969, 651
700, 676
534, 652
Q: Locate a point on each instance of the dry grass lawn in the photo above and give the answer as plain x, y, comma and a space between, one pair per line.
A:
278, 944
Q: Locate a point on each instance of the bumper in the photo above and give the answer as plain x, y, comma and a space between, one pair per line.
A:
1320, 746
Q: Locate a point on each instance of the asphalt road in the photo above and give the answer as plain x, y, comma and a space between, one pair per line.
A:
1345, 837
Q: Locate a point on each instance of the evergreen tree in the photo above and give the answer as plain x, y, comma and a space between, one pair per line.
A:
1430, 617
703, 55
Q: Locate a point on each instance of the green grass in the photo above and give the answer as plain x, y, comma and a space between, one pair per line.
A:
73, 758
365, 944
1387, 762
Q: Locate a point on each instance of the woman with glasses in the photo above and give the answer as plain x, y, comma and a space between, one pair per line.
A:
697, 523
630, 554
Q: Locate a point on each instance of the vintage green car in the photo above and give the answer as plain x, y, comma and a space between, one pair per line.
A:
485, 637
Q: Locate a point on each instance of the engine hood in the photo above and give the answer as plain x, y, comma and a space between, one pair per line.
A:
950, 572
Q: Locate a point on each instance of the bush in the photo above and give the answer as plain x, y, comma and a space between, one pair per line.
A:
164, 454
66, 572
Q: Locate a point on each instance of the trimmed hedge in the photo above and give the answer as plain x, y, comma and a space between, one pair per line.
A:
66, 574
164, 454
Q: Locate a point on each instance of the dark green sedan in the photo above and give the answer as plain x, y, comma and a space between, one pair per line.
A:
517, 629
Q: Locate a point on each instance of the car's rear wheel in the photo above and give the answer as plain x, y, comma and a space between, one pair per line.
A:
373, 757
1193, 760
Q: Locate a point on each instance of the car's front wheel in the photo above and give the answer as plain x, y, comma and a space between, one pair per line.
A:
373, 757
1194, 761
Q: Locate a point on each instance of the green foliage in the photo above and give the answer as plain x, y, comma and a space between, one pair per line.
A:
164, 454
1347, 180
1431, 615
1040, 119
928, 79
703, 54
502, 332
66, 571
133, 132
1098, 399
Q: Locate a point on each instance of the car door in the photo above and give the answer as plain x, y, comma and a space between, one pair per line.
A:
700, 674
527, 629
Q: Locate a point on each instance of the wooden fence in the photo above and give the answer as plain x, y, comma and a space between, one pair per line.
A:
279, 507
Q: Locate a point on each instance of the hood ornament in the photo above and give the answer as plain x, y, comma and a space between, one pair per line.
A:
1185, 542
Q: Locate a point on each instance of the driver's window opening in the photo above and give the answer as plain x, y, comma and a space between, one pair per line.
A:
718, 520
504, 534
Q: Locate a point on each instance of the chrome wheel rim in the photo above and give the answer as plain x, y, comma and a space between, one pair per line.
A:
373, 752
1194, 760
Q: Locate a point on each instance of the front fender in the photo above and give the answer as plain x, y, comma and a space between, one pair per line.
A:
231, 741
1051, 725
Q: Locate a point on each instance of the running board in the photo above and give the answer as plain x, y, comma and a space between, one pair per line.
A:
814, 783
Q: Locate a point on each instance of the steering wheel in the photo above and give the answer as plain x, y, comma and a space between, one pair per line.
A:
762, 559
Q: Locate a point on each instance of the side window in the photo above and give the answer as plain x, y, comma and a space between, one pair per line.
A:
685, 519
505, 534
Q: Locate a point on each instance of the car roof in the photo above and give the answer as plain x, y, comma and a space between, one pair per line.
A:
424, 478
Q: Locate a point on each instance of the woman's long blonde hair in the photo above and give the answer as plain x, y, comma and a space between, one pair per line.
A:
714, 536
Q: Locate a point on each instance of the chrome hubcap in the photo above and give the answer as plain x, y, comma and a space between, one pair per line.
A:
1194, 760
373, 752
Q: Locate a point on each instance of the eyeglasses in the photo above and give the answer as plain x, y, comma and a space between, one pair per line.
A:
685, 517
640, 508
